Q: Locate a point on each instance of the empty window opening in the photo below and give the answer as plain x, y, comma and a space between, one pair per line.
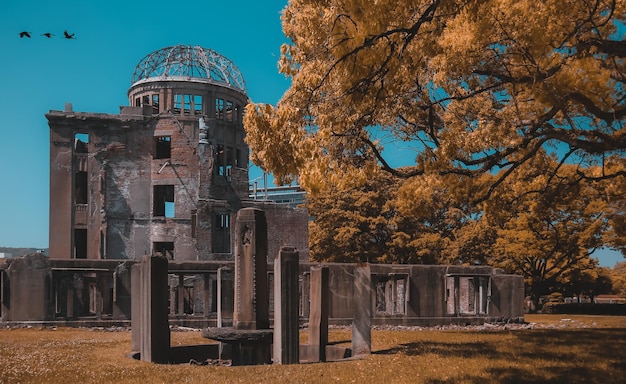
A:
138, 102
93, 298
229, 111
163, 148
238, 161
219, 108
221, 233
483, 294
178, 99
145, 100
165, 248
450, 295
467, 295
236, 113
194, 223
81, 141
220, 160
80, 243
163, 201
230, 160
187, 104
103, 243
80, 187
155, 104
188, 299
391, 294
197, 104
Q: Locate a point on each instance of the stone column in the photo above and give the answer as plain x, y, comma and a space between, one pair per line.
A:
155, 332
135, 307
251, 292
318, 316
225, 295
286, 316
69, 303
362, 307
3, 307
122, 295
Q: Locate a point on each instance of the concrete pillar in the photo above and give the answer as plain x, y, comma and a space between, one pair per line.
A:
69, 304
122, 289
135, 307
180, 295
251, 293
225, 296
4, 295
286, 316
362, 309
225, 305
155, 332
318, 316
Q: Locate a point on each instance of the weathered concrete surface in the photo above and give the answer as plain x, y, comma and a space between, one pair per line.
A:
251, 290
29, 291
286, 300
155, 331
248, 346
318, 316
426, 301
362, 307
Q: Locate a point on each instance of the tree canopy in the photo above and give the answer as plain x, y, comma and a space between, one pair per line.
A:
471, 86
514, 112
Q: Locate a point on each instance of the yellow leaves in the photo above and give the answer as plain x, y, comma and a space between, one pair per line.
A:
277, 145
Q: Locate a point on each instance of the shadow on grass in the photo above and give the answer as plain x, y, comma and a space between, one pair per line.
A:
534, 356
469, 350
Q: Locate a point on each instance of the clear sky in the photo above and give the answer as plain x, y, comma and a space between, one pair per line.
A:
93, 72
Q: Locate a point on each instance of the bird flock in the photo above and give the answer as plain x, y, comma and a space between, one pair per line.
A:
66, 35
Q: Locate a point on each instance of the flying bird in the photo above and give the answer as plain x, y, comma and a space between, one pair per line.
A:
68, 35
25, 34
47, 34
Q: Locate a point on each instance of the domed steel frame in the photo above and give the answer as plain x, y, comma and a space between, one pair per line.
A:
184, 62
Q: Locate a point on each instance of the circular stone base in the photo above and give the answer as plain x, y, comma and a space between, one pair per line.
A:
232, 335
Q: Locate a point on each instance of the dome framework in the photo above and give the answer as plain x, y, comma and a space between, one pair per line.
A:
184, 61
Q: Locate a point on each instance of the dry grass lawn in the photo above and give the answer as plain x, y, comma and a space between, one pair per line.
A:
563, 349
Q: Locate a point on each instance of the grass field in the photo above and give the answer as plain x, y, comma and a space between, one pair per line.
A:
558, 349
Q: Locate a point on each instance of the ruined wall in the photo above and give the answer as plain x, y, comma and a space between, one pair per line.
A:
29, 291
61, 194
98, 179
123, 182
287, 227
179, 171
36, 288
507, 299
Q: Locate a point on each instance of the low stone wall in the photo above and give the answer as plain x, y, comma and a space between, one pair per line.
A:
36, 289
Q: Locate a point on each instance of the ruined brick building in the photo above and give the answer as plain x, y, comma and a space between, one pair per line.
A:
167, 175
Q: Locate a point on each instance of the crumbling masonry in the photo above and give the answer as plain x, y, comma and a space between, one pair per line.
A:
167, 176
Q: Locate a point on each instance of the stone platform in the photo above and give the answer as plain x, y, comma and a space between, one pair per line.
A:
249, 346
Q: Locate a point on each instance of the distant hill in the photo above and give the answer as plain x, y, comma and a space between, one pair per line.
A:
15, 252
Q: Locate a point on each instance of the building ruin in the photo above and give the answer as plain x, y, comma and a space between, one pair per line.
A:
167, 175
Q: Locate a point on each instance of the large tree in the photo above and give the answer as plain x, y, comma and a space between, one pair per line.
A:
470, 86
514, 111
355, 226
547, 226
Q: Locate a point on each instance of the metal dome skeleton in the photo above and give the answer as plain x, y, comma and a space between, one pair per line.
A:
189, 63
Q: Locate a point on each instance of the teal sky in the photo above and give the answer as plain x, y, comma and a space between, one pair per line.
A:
93, 72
